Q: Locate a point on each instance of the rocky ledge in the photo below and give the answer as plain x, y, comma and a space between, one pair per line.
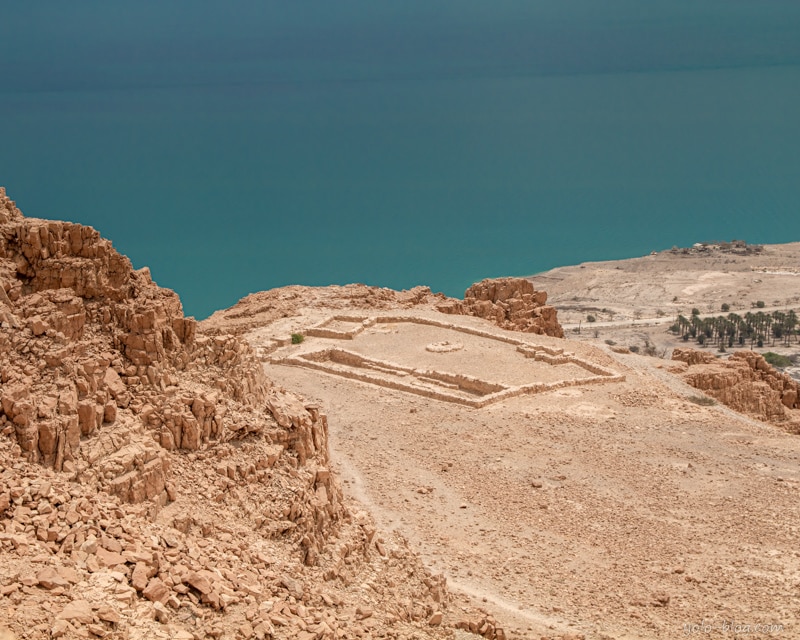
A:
746, 383
511, 303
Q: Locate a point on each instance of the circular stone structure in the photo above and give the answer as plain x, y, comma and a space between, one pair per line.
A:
444, 347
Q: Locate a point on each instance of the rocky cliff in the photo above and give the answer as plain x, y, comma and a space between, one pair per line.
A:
746, 383
155, 483
511, 303
91, 350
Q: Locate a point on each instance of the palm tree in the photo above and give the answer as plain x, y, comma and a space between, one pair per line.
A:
791, 325
682, 324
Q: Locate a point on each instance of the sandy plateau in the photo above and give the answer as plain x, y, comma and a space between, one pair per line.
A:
355, 462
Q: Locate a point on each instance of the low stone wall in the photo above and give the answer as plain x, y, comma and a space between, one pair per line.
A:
323, 330
462, 389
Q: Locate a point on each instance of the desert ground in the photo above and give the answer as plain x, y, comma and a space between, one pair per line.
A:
612, 508
635, 301
674, 282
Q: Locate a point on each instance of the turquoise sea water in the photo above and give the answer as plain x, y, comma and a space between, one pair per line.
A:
234, 147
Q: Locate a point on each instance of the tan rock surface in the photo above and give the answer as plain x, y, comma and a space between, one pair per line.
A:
747, 383
511, 303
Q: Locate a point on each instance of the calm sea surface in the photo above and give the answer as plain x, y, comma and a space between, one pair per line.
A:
234, 147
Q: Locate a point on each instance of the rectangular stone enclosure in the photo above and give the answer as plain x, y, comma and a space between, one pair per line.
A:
438, 360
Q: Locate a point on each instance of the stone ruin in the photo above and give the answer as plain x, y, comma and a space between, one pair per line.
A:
455, 367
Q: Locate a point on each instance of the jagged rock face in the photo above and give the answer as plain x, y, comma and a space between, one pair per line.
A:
102, 374
511, 303
148, 470
746, 383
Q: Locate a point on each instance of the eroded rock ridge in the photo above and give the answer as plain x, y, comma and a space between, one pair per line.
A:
745, 382
153, 481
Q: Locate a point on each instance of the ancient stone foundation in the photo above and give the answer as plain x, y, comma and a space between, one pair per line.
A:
429, 377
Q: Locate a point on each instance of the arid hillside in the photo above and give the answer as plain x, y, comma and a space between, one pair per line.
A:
574, 490
154, 483
675, 281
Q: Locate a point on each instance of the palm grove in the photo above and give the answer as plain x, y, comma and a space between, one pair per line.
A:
751, 329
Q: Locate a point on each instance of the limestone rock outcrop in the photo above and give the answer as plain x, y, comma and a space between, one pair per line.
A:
511, 303
102, 374
86, 342
693, 356
745, 382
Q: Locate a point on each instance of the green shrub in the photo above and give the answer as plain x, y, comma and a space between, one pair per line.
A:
777, 360
726, 307
590, 318
297, 338
760, 304
703, 401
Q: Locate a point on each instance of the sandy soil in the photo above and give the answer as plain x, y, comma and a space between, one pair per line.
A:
619, 510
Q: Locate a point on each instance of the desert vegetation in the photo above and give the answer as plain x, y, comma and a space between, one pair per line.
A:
778, 360
750, 329
703, 401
